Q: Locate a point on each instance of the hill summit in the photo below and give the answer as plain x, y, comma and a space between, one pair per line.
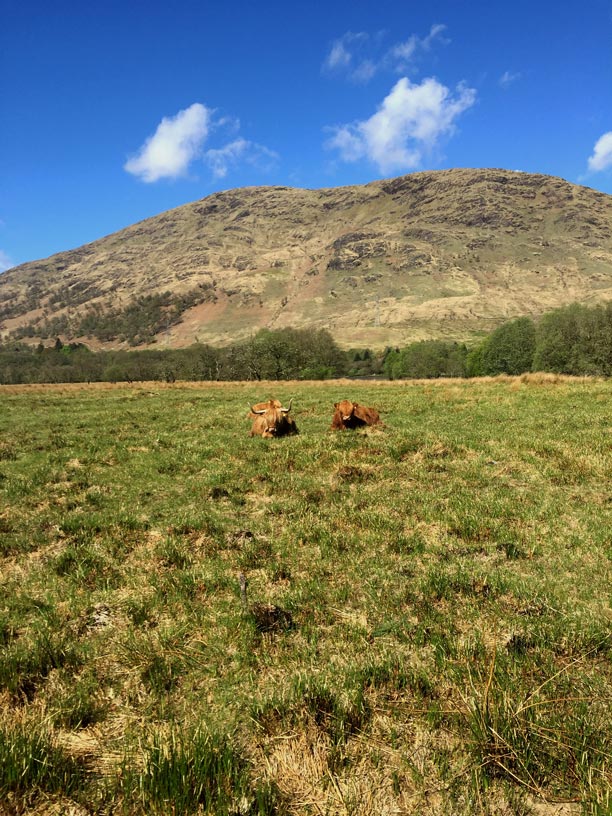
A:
445, 254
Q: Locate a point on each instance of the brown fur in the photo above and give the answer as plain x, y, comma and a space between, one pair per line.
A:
274, 421
350, 415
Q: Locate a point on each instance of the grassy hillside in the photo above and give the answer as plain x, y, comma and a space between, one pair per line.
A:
428, 625
447, 254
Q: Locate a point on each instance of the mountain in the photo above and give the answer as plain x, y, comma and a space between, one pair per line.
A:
446, 254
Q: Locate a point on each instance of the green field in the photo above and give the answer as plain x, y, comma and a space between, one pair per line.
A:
428, 627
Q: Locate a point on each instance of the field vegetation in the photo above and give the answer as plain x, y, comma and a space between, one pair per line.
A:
426, 626
574, 340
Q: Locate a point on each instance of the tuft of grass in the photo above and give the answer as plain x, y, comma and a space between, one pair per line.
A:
141, 612
198, 772
339, 712
174, 553
551, 736
31, 763
78, 703
161, 674
24, 664
85, 565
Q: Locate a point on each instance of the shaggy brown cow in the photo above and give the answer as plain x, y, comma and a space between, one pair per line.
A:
351, 415
270, 419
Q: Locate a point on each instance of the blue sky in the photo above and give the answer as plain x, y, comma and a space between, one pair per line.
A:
116, 111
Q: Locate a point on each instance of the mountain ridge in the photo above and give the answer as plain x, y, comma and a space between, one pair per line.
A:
447, 253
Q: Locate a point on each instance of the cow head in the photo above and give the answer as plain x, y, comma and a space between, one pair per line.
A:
271, 419
346, 409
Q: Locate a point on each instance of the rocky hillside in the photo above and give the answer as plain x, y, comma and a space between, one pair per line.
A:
437, 254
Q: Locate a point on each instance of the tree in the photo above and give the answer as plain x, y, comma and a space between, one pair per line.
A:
575, 339
427, 359
473, 362
557, 337
510, 348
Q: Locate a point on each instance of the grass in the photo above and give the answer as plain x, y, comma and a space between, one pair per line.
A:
195, 772
32, 762
435, 598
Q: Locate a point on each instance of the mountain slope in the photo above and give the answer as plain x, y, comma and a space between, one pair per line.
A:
436, 254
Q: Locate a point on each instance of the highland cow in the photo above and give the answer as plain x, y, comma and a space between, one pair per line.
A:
270, 419
350, 415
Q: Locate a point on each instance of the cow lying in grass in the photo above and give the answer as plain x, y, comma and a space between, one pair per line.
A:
270, 419
350, 415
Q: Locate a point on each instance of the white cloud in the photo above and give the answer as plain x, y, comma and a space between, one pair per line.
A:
364, 71
221, 160
342, 52
174, 145
348, 54
435, 32
507, 78
410, 122
602, 153
401, 55
404, 52
5, 261
338, 57
180, 140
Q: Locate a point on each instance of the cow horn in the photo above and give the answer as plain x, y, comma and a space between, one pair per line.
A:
286, 410
255, 411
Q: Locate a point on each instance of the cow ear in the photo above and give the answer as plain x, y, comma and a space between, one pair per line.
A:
336, 404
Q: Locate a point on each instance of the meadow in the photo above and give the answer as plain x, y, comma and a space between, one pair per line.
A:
427, 626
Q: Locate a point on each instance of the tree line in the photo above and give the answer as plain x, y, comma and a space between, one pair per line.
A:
270, 355
574, 339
